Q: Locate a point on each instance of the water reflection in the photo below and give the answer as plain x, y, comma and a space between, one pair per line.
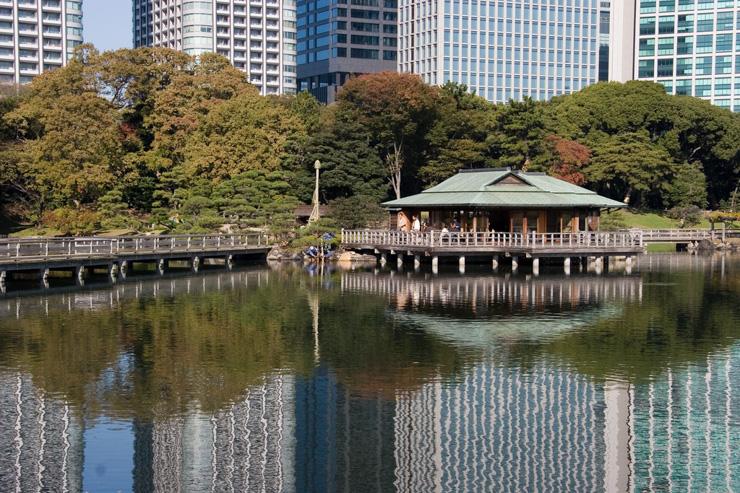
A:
376, 381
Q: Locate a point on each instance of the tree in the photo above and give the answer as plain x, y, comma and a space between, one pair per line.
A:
349, 163
397, 109
564, 159
628, 167
247, 132
521, 131
687, 187
460, 136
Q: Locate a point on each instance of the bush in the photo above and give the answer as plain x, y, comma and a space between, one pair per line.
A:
70, 221
358, 211
611, 221
689, 215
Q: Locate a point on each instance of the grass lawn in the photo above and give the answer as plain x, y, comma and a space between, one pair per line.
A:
653, 220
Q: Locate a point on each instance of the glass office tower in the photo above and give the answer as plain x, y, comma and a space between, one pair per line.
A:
257, 36
37, 36
503, 49
692, 47
341, 38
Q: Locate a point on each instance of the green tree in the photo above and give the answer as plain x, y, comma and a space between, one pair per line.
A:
628, 167
398, 110
460, 137
247, 132
521, 132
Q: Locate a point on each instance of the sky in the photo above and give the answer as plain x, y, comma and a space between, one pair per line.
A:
107, 23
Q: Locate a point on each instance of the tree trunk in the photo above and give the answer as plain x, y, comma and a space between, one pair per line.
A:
394, 161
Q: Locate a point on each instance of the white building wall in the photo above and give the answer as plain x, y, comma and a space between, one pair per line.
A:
257, 36
37, 36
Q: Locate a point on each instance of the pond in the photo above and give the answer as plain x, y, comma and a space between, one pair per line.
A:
284, 378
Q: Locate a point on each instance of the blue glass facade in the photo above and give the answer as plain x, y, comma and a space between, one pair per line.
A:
341, 38
503, 50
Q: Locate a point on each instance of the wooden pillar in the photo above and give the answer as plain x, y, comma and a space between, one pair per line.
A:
79, 273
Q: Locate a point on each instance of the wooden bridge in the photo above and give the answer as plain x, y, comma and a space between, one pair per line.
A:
587, 247
24, 257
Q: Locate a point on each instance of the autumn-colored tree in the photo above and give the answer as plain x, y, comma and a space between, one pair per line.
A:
398, 110
565, 159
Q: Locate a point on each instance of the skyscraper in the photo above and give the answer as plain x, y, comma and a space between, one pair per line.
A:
687, 45
37, 36
505, 50
339, 39
257, 36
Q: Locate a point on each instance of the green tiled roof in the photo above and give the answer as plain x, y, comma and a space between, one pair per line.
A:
481, 188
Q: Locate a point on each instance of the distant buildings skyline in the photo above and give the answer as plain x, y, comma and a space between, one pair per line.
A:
500, 49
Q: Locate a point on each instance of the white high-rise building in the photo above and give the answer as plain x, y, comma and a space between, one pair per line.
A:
37, 36
257, 36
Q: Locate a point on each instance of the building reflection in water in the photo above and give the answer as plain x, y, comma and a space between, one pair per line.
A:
42, 439
492, 427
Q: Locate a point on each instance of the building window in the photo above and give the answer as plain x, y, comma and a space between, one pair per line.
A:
364, 53
703, 88
665, 46
704, 23
683, 87
665, 67
683, 67
646, 69
724, 43
723, 65
685, 45
666, 24
704, 43
647, 26
703, 66
647, 47
685, 23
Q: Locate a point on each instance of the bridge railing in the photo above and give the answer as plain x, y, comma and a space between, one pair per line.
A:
439, 239
14, 249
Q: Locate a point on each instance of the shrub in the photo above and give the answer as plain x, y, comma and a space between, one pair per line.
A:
69, 221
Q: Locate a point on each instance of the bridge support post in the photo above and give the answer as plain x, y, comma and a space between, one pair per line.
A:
383, 259
229, 262
583, 264
435, 264
461, 264
195, 264
399, 260
80, 273
514, 264
417, 262
494, 263
112, 272
566, 266
161, 266
599, 265
536, 266
3, 277
123, 269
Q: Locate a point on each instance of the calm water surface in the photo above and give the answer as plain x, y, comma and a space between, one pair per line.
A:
280, 379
